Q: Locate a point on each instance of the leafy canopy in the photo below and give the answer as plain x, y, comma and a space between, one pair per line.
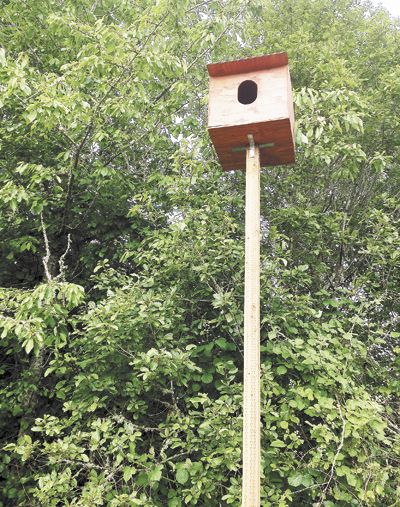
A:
122, 257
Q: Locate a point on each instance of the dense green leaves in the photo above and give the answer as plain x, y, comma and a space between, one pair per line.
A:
122, 257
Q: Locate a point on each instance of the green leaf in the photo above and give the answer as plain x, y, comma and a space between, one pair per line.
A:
278, 443
222, 343
299, 478
207, 378
182, 476
127, 473
31, 115
29, 345
155, 474
300, 137
295, 480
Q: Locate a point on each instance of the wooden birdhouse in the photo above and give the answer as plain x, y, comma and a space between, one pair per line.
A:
252, 96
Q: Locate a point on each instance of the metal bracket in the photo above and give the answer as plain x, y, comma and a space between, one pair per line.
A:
252, 145
243, 148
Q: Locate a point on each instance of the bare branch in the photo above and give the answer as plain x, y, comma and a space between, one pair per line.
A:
46, 258
335, 457
61, 262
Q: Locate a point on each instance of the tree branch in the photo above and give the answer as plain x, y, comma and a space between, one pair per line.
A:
46, 258
331, 474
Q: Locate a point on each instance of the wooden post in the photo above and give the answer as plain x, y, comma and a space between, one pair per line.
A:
266, 110
251, 380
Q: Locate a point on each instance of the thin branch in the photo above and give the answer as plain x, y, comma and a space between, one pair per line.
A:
165, 91
331, 474
119, 78
46, 258
72, 171
61, 262
208, 49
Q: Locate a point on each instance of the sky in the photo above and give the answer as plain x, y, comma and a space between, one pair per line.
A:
393, 6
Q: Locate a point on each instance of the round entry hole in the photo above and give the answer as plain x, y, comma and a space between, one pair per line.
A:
247, 92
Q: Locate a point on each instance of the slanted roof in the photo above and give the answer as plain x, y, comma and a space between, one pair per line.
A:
247, 65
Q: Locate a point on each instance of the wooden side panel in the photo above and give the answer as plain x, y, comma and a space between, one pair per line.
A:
270, 118
290, 103
227, 139
271, 103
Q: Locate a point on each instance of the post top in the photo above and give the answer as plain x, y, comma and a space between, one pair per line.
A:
247, 65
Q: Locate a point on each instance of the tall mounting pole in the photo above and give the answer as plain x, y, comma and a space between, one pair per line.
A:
251, 380
254, 93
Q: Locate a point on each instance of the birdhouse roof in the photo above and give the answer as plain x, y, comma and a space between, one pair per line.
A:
247, 65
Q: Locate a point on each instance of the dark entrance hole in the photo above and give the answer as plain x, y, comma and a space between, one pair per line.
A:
247, 92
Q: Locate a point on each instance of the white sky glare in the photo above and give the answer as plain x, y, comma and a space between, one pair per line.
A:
393, 6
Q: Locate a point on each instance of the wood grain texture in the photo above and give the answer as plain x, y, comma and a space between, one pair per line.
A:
225, 109
270, 118
247, 64
251, 380
290, 103
279, 132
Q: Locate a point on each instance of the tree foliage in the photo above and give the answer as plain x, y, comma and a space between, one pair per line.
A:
122, 257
